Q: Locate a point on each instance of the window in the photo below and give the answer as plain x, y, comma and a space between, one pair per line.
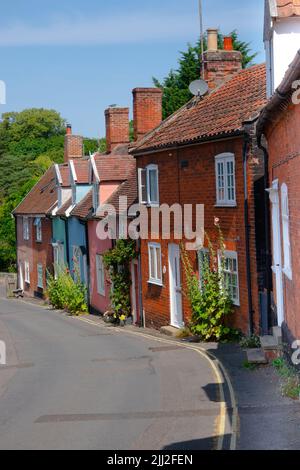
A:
27, 272
286, 231
38, 226
100, 275
155, 268
40, 276
73, 194
231, 275
59, 258
225, 180
203, 264
148, 185
25, 228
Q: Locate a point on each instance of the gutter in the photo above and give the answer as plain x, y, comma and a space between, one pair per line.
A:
247, 237
175, 146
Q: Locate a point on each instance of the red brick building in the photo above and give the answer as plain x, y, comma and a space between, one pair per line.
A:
34, 235
206, 154
279, 124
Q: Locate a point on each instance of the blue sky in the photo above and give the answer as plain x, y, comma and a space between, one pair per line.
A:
80, 56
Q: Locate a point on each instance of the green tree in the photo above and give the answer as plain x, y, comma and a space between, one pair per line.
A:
176, 84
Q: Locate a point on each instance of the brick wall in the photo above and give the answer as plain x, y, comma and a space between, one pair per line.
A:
220, 66
35, 253
147, 110
73, 147
195, 184
284, 165
117, 127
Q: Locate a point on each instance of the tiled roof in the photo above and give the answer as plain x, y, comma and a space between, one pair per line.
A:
84, 207
287, 8
220, 113
64, 207
65, 174
114, 167
41, 198
82, 170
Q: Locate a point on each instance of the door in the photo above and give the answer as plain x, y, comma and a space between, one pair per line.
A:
277, 250
175, 286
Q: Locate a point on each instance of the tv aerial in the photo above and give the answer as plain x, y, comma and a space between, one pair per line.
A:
199, 88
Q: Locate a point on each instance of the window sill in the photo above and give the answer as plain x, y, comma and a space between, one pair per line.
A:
155, 283
154, 205
226, 205
102, 294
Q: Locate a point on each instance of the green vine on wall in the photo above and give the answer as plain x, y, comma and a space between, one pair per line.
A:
211, 302
117, 262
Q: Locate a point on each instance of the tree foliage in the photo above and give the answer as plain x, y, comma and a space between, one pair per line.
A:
30, 142
176, 84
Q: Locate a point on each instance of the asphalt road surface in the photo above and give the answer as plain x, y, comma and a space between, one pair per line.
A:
70, 385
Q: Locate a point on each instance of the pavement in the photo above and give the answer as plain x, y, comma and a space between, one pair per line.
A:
75, 383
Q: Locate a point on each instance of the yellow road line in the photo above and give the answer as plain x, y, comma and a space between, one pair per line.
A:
218, 369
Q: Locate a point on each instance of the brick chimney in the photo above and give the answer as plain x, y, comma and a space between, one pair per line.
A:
117, 127
73, 145
220, 65
147, 110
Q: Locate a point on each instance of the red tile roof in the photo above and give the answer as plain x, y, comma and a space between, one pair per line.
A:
62, 210
220, 113
114, 167
42, 198
287, 8
84, 207
82, 170
65, 174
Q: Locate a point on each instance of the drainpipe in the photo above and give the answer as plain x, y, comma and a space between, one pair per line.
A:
67, 242
268, 269
140, 284
87, 260
247, 236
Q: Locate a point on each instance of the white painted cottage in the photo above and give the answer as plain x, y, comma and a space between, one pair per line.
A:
281, 37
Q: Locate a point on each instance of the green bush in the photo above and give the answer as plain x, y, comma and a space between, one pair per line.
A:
211, 303
66, 294
117, 262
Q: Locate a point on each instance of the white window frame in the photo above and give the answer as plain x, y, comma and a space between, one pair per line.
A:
144, 185
100, 275
232, 255
27, 272
26, 228
157, 277
40, 276
38, 228
285, 215
202, 252
224, 159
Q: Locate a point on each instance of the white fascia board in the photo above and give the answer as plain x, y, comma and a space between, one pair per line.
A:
58, 174
73, 171
94, 168
69, 210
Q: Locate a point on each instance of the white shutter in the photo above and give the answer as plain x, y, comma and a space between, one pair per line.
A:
142, 182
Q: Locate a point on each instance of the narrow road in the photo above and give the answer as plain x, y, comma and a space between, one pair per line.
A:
70, 385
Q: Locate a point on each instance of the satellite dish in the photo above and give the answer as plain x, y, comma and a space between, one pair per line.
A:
199, 88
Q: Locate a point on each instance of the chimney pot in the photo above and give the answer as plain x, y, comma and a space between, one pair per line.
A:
69, 129
212, 39
228, 43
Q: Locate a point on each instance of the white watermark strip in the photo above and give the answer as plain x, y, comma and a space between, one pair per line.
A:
2, 92
2, 353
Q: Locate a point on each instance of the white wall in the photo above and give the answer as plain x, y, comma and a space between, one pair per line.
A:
282, 49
